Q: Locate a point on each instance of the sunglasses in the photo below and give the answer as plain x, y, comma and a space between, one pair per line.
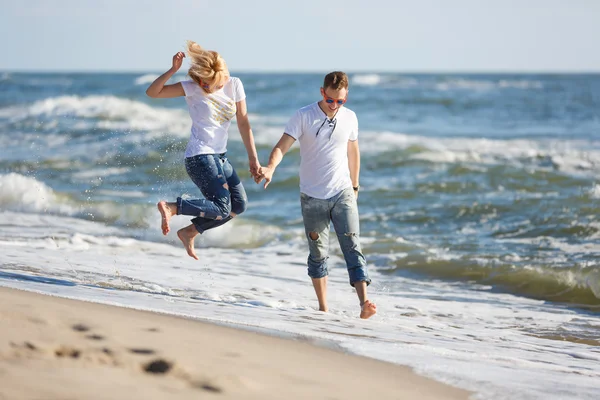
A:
206, 86
331, 100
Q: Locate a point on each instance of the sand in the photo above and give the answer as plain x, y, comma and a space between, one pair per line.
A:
56, 348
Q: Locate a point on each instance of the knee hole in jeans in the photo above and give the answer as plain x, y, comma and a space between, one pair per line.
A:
313, 235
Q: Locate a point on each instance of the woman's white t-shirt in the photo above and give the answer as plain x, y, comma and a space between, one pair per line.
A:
324, 170
211, 115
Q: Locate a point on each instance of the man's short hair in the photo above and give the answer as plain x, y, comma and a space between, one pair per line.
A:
336, 80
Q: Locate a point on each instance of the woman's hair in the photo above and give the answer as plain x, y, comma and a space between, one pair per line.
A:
336, 80
206, 65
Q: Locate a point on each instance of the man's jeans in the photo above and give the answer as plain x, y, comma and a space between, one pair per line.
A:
222, 189
342, 210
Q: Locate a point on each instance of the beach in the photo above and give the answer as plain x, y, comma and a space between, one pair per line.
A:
56, 348
479, 221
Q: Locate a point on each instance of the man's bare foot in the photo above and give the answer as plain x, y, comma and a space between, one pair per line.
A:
166, 214
368, 309
323, 309
186, 235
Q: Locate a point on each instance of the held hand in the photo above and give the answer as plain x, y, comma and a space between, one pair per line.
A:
254, 168
265, 173
177, 61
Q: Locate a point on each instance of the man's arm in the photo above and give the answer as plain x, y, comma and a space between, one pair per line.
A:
275, 158
354, 163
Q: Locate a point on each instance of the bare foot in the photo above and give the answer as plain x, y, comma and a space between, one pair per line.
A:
187, 238
368, 309
165, 213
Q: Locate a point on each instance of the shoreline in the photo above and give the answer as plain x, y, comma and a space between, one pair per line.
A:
59, 348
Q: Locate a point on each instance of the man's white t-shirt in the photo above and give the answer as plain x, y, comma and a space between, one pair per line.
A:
324, 168
211, 115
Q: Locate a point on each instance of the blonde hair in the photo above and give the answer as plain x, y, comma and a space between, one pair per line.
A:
206, 65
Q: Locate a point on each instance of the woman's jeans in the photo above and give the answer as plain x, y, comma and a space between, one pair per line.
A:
342, 210
222, 189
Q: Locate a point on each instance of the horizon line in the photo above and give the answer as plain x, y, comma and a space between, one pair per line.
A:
348, 71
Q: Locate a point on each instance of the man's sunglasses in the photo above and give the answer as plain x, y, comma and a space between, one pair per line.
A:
331, 100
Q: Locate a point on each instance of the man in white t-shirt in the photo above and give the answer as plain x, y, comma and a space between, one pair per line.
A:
329, 171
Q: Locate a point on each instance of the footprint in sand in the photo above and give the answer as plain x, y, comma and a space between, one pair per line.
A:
157, 367
107, 356
29, 346
160, 366
141, 351
210, 388
65, 351
26, 345
80, 328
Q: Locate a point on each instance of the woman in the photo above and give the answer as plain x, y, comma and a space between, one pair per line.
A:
213, 98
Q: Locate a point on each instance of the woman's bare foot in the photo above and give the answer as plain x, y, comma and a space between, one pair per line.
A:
368, 309
166, 214
187, 235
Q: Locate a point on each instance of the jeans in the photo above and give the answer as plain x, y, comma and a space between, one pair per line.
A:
342, 210
222, 189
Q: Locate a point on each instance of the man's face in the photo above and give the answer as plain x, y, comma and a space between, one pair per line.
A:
334, 99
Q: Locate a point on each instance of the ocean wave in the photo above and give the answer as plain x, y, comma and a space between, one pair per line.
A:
23, 194
550, 232
446, 83
76, 116
20, 193
385, 80
572, 156
484, 85
145, 79
98, 173
367, 80
577, 285
97, 112
594, 192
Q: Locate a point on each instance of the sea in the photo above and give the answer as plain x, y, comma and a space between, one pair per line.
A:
479, 212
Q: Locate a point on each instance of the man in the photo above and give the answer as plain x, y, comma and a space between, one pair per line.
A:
329, 171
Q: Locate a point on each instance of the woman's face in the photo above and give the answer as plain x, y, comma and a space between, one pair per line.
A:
206, 85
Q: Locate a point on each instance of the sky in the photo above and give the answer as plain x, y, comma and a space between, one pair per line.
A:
307, 35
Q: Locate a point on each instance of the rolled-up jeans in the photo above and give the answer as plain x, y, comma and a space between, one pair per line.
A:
342, 210
222, 189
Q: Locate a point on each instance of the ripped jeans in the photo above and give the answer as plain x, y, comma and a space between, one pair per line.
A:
342, 210
222, 189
